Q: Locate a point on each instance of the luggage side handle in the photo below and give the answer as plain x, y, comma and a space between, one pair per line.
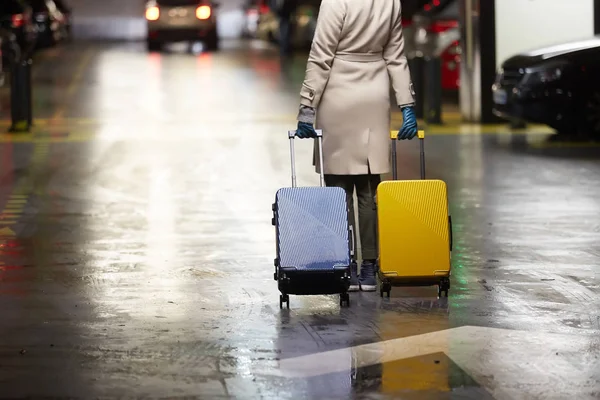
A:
353, 248
292, 136
450, 232
394, 137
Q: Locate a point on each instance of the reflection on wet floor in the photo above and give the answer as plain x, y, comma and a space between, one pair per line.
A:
136, 250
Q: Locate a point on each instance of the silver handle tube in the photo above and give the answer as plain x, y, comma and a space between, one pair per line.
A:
353, 248
320, 145
292, 136
422, 156
394, 160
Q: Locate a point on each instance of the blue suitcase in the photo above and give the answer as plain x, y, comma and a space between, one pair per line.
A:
312, 238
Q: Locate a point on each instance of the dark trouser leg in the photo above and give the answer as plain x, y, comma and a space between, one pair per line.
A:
366, 188
346, 182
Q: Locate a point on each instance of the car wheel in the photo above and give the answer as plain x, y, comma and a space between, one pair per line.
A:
153, 45
212, 42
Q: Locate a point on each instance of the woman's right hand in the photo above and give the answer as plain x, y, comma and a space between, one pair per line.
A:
409, 124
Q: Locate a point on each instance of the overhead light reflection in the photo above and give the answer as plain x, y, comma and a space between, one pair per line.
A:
161, 243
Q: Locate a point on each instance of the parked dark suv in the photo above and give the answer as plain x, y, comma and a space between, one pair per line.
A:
558, 86
16, 16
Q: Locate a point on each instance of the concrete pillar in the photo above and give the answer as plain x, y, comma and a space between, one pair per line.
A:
478, 63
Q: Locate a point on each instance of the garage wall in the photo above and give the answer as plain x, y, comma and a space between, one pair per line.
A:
123, 19
523, 25
597, 17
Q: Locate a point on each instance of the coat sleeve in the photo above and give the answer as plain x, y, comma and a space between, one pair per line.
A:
322, 52
397, 65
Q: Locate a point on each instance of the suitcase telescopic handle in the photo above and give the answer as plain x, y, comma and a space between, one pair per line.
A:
394, 137
292, 136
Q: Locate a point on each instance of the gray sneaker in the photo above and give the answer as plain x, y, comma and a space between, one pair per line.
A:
354, 287
367, 279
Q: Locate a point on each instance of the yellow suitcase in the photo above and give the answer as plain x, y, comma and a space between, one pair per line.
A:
414, 230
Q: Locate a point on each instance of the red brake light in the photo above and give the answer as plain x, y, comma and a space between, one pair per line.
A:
203, 12
152, 13
264, 9
17, 20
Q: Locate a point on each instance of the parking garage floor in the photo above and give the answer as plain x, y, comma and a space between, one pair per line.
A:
136, 247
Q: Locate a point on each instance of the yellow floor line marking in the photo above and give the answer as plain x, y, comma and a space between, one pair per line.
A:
13, 210
7, 232
564, 144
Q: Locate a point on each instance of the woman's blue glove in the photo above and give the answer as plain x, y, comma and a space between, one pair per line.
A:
305, 130
409, 124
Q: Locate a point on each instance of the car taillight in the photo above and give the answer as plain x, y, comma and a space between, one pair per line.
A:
152, 13
263, 9
203, 12
17, 20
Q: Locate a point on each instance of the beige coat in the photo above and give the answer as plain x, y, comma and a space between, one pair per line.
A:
357, 49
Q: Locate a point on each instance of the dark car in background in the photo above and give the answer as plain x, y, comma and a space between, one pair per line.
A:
50, 21
558, 86
253, 10
181, 20
16, 17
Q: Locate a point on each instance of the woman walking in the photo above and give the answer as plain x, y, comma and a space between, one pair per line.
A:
357, 52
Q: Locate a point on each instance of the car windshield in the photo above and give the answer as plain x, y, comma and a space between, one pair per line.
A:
177, 3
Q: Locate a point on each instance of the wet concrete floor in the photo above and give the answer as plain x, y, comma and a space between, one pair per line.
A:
136, 247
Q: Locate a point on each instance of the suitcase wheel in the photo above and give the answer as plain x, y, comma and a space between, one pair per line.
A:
444, 287
344, 299
284, 298
385, 288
